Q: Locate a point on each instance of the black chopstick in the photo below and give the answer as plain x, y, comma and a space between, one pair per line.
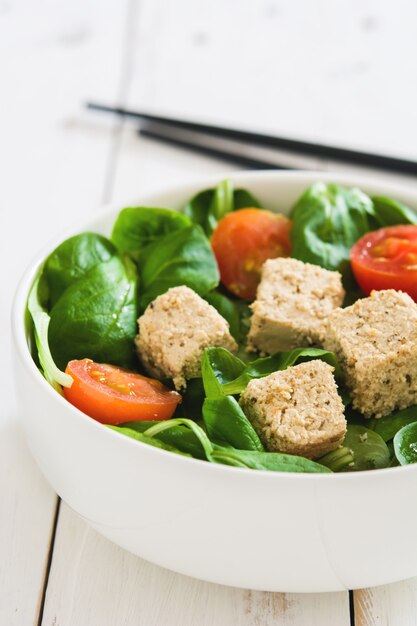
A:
291, 145
229, 157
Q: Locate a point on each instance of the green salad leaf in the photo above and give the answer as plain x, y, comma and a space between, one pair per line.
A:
231, 310
219, 367
209, 206
388, 426
214, 453
389, 212
226, 423
271, 461
96, 316
151, 441
327, 220
339, 460
369, 450
405, 444
279, 361
137, 227
72, 259
183, 257
41, 320
179, 437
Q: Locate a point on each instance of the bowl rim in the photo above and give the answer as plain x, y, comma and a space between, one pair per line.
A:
188, 188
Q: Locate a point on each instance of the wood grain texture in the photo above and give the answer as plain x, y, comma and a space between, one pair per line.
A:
94, 582
389, 605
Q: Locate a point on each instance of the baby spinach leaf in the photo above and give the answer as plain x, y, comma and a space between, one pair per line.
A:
227, 309
219, 454
405, 444
389, 425
271, 461
219, 367
183, 257
279, 361
243, 199
139, 436
209, 206
226, 422
389, 212
338, 460
179, 437
72, 259
96, 316
369, 449
159, 427
41, 320
327, 221
192, 400
137, 227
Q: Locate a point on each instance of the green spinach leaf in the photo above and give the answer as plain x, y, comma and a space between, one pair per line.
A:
72, 259
389, 425
389, 212
41, 320
369, 449
183, 257
96, 316
226, 422
327, 221
271, 461
279, 361
179, 437
219, 367
137, 227
209, 206
405, 444
151, 441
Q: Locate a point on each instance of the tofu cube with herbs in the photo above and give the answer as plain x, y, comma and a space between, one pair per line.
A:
291, 306
174, 331
297, 410
375, 342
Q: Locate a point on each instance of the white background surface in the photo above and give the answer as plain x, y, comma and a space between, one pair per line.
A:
332, 69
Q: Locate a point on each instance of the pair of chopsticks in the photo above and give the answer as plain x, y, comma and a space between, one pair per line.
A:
250, 149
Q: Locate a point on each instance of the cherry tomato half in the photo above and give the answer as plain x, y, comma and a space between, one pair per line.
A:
387, 259
243, 241
112, 395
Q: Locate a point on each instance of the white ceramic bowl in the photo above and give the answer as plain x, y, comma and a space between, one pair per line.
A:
253, 529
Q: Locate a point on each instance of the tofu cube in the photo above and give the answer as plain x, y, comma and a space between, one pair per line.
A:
291, 306
297, 410
375, 341
174, 331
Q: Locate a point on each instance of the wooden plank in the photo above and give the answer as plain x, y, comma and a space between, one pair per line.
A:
94, 582
388, 605
53, 165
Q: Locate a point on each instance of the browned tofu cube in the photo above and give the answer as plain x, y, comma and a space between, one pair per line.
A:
292, 303
375, 341
297, 410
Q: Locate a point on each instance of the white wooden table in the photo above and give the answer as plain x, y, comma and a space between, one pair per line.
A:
58, 163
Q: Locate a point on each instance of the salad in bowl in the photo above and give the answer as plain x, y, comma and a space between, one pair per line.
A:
225, 384
241, 336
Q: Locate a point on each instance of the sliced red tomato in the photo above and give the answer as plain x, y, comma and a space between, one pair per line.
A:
113, 395
387, 259
243, 241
